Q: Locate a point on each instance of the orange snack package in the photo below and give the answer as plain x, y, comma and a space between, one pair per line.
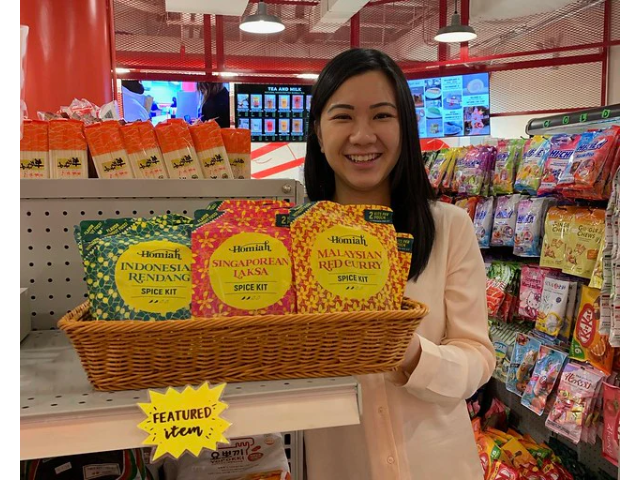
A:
34, 150
554, 242
345, 258
108, 152
237, 142
68, 149
177, 147
211, 151
144, 154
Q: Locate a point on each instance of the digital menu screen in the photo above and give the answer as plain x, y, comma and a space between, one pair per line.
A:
273, 113
455, 106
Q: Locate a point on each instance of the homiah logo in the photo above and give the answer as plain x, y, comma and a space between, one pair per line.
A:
168, 254
349, 240
251, 247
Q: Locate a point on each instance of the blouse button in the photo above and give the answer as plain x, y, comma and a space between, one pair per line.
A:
390, 460
381, 410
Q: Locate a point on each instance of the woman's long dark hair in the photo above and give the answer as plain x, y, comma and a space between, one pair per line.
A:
411, 191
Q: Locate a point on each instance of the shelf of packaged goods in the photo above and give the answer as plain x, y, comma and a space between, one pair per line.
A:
61, 414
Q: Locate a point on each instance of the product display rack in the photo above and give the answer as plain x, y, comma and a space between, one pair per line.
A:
60, 413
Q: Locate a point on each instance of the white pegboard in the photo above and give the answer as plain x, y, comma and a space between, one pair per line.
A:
50, 266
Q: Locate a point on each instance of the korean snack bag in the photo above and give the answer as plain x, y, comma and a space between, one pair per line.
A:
469, 204
68, 149
531, 213
587, 344
108, 151
561, 149
207, 138
556, 228
553, 306
504, 221
584, 236
237, 142
141, 272
576, 392
34, 150
611, 430
534, 156
483, 220
449, 181
508, 155
525, 354
470, 170
440, 166
257, 457
543, 380
144, 155
242, 263
531, 285
345, 257
178, 150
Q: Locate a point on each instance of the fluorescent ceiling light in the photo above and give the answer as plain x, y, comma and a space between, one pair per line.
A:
308, 76
122, 70
228, 74
261, 22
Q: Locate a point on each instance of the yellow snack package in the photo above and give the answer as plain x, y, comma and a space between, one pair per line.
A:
597, 275
518, 455
583, 242
345, 258
556, 227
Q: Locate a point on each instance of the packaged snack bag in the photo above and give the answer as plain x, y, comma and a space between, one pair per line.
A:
242, 263
531, 285
483, 220
178, 150
561, 149
525, 354
469, 204
564, 335
584, 236
518, 455
108, 152
405, 249
226, 205
237, 142
576, 392
556, 228
68, 149
504, 338
611, 430
531, 213
142, 272
207, 138
534, 156
553, 306
145, 156
345, 257
504, 221
499, 277
470, 170
440, 167
446, 199
34, 150
428, 158
507, 156
543, 379
488, 451
259, 457
449, 181
587, 344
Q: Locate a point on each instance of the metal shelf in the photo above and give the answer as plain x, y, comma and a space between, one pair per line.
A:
61, 414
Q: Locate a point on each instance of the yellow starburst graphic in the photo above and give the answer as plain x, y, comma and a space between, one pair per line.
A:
188, 420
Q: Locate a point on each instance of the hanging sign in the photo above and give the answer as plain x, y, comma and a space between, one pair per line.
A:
188, 420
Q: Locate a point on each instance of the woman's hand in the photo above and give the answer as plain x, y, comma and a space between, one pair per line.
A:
412, 355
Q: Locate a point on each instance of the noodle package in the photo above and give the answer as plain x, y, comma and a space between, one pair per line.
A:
34, 150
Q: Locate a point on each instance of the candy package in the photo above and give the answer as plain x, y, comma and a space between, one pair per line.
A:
534, 156
531, 285
471, 170
483, 220
449, 181
576, 392
556, 228
529, 226
543, 379
611, 429
504, 338
584, 236
440, 166
564, 335
499, 277
587, 344
428, 158
504, 221
553, 306
507, 157
525, 354
469, 204
561, 149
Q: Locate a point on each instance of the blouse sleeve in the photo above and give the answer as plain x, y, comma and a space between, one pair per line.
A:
465, 359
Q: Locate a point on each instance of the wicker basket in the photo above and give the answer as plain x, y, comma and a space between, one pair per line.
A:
130, 354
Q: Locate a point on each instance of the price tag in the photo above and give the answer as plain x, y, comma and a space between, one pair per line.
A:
188, 420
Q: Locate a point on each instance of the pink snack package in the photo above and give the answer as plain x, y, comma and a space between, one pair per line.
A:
562, 147
575, 398
531, 285
611, 430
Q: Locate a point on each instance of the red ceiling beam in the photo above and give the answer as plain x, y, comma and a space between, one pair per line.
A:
464, 19
306, 3
355, 31
208, 54
606, 36
220, 60
443, 48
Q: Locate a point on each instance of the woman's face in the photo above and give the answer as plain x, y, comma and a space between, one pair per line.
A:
359, 133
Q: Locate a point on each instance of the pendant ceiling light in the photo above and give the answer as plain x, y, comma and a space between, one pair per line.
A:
455, 32
261, 21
